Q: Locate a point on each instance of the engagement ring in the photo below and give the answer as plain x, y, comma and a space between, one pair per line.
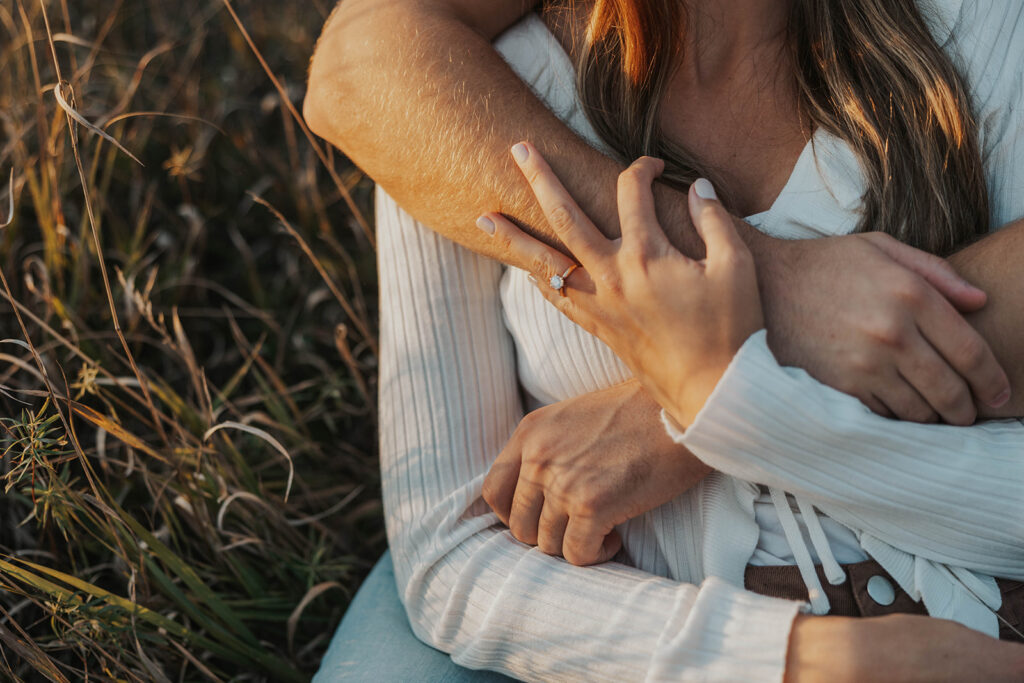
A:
557, 282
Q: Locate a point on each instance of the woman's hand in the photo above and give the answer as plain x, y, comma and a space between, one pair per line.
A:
898, 648
575, 469
674, 321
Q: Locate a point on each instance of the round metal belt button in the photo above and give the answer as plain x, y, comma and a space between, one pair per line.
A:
881, 590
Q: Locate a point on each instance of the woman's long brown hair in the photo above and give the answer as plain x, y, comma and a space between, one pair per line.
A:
867, 71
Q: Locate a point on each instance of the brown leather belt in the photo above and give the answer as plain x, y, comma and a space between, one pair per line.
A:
870, 591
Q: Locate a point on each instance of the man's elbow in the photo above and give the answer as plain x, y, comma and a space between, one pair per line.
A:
313, 110
319, 86
332, 59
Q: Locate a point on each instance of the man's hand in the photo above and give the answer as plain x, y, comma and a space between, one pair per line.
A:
883, 322
575, 469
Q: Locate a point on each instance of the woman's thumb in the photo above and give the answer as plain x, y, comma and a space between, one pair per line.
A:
712, 222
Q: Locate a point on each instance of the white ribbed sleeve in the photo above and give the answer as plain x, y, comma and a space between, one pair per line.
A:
954, 495
448, 402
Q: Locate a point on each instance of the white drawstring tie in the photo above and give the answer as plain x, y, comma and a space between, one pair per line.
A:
833, 571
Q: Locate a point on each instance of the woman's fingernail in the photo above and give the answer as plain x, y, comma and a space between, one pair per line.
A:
704, 188
1001, 400
520, 152
485, 224
532, 278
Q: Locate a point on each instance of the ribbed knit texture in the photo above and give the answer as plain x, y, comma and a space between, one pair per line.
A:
460, 334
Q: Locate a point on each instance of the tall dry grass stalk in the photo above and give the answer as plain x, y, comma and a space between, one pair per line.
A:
188, 488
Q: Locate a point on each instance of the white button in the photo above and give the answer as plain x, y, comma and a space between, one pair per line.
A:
881, 591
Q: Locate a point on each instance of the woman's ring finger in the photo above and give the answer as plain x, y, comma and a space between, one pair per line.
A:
557, 282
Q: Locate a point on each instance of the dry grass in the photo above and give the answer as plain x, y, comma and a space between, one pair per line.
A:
187, 351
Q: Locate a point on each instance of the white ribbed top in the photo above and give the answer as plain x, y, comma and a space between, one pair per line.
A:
460, 334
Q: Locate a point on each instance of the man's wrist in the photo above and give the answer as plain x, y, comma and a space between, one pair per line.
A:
766, 250
774, 261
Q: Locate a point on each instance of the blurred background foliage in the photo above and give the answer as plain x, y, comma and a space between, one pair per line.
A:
188, 483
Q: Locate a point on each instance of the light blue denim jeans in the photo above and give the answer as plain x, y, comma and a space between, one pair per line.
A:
375, 643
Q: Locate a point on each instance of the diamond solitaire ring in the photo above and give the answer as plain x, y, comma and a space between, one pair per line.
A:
558, 281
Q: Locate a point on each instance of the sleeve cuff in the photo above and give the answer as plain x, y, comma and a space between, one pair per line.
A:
730, 634
752, 358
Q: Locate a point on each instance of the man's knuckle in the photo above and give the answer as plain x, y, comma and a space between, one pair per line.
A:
963, 415
578, 554
583, 506
533, 466
917, 412
592, 501
548, 543
863, 363
954, 400
523, 533
885, 335
924, 414
972, 353
889, 332
912, 291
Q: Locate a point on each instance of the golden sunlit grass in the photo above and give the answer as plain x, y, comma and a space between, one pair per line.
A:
187, 351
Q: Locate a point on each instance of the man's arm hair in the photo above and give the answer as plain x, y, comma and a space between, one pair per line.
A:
996, 265
414, 93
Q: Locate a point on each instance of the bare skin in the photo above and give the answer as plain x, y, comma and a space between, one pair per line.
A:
430, 117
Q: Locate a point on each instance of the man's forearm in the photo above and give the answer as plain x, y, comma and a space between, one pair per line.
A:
420, 100
996, 265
